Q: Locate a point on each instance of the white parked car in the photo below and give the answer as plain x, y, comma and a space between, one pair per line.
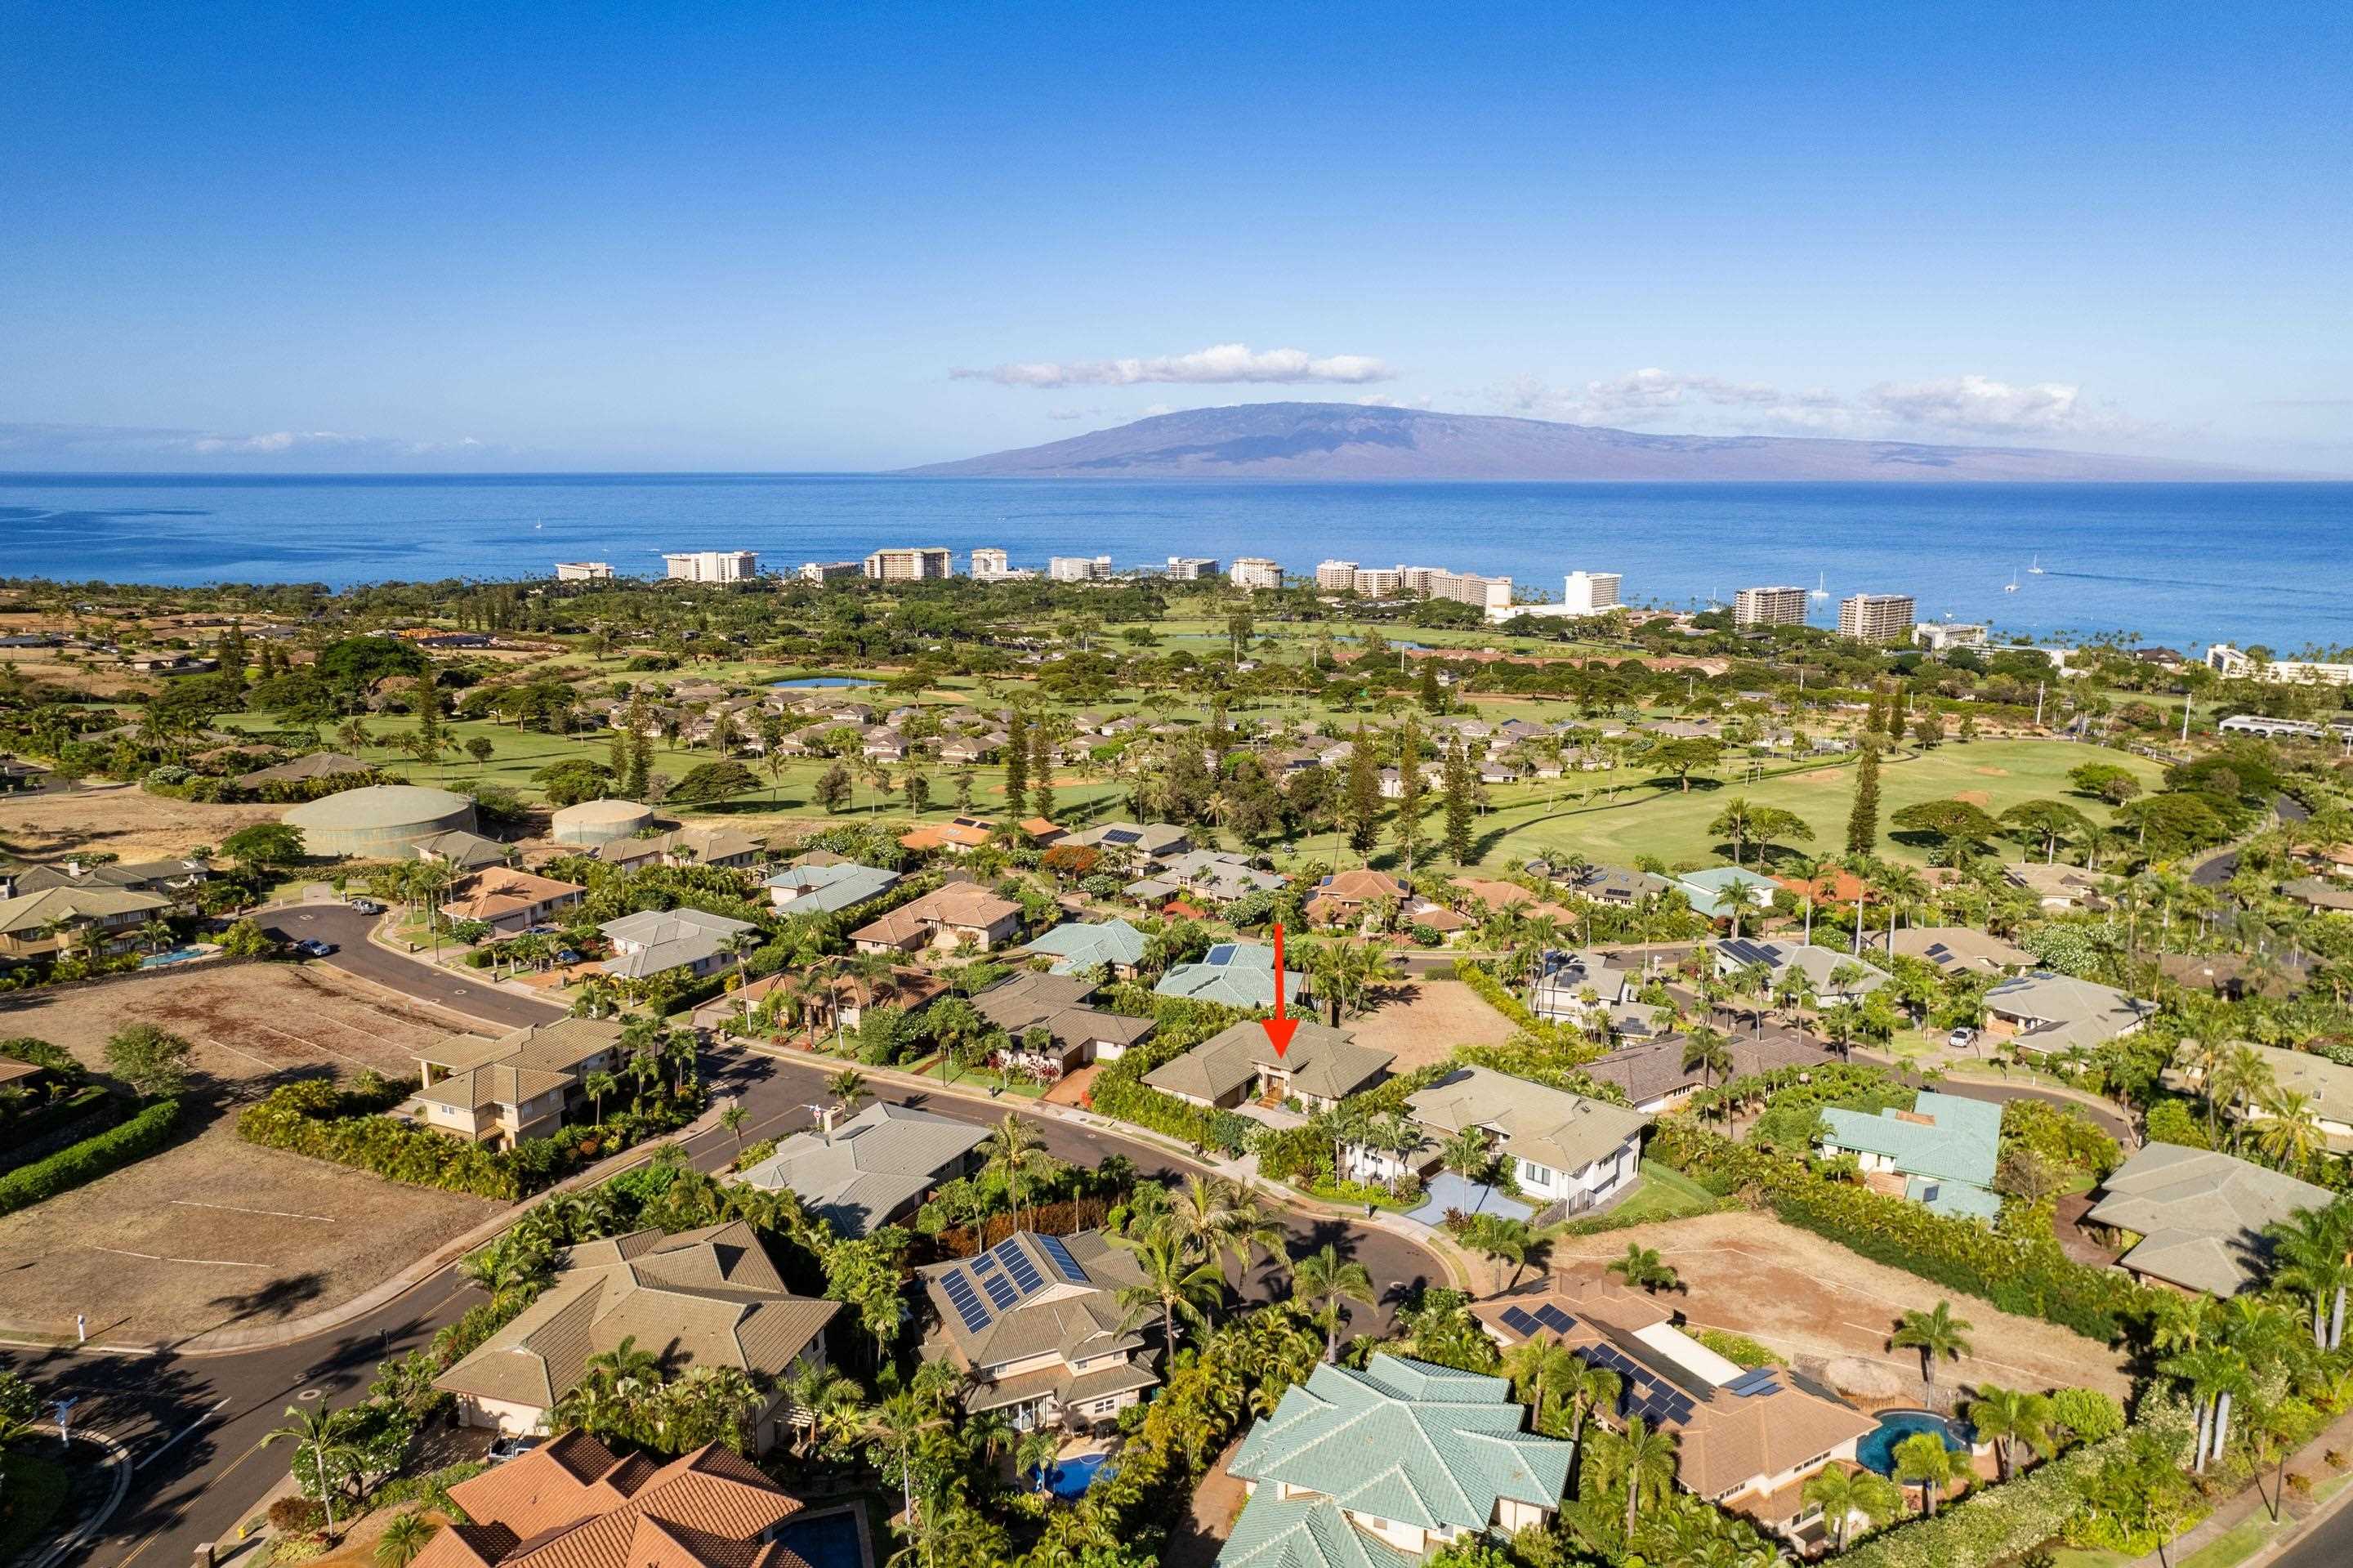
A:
1961, 1037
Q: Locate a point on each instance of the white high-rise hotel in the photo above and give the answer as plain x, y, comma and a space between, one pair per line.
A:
1422, 582
711, 565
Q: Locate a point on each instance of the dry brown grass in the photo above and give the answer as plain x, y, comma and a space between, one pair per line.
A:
121, 819
214, 1231
1422, 1021
1807, 1297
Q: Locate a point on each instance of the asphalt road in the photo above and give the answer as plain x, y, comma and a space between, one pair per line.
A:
2328, 1545
197, 1423
2219, 870
347, 928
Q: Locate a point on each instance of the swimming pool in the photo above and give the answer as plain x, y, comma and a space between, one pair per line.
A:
825, 1541
1070, 1478
807, 682
177, 956
1876, 1451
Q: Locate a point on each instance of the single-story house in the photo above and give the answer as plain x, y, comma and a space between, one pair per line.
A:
957, 914
2049, 1013
2199, 1216
829, 889
1115, 945
2325, 1084
1056, 1003
959, 835
462, 850
1576, 986
2056, 887
1940, 1153
872, 1169
1148, 844
654, 942
1961, 949
1654, 1078
1233, 974
705, 1297
1321, 1068
509, 901
1718, 892
1832, 976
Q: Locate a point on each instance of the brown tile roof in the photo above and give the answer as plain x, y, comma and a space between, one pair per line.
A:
959, 904
502, 891
702, 1298
571, 1504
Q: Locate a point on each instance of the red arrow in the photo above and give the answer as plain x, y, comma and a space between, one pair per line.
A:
1279, 1029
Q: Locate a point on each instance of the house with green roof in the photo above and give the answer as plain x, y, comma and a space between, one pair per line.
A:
1940, 1153
1115, 945
1716, 892
1383, 1467
1233, 974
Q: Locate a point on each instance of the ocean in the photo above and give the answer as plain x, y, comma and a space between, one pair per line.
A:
2179, 565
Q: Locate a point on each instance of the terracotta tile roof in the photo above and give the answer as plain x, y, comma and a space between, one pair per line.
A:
502, 891
571, 1504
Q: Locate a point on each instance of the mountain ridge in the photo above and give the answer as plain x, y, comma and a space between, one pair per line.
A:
1343, 442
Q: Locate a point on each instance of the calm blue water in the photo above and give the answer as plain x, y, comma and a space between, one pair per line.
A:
2180, 563
826, 1541
1876, 1451
1070, 1478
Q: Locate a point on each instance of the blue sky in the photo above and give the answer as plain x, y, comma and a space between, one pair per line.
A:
631, 236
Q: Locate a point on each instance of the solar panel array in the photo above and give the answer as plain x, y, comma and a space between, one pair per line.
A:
1519, 1321
1122, 836
1223, 953
1061, 1259
1646, 1393
1743, 951
1553, 1317
1753, 1382
966, 1300
1026, 1277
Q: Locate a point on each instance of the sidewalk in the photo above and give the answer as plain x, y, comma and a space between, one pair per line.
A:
2245, 1521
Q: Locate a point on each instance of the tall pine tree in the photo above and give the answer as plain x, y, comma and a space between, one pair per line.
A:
1862, 822
1360, 809
1041, 773
1016, 766
1407, 831
1462, 800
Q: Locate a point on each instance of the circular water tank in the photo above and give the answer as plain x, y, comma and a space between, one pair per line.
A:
601, 821
378, 819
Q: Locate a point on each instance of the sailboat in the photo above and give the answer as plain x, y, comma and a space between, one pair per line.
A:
2011, 586
2036, 570
1821, 586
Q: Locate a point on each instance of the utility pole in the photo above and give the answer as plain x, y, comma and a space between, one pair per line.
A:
2185, 718
2038, 705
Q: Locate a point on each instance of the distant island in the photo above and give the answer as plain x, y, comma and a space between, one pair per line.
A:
1352, 441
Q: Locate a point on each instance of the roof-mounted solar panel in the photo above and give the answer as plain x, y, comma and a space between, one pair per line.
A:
1059, 1255
1553, 1317
1518, 1321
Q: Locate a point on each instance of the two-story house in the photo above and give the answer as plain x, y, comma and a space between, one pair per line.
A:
516, 1087
1567, 1153
509, 901
97, 921
1389, 1466
961, 915
1036, 1323
174, 881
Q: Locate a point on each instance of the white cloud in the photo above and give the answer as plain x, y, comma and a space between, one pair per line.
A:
1072, 413
1950, 406
1225, 364
1383, 401
83, 443
1980, 406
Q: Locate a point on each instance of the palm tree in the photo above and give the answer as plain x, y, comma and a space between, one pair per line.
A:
1642, 1460
1588, 1388
1932, 1333
403, 1539
2289, 1134
2011, 1416
2239, 1080
1922, 1460
733, 1118
625, 1368
1220, 1218
1541, 1369
1174, 1283
1467, 1154
1034, 1456
1643, 1269
1012, 1150
320, 1434
599, 1084
2312, 1252
1843, 1493
1707, 1050
898, 1423
1326, 1279
848, 1087
1502, 1239
740, 945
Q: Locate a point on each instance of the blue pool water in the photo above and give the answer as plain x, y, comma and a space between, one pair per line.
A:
1877, 1449
828, 1541
177, 956
1070, 1478
808, 680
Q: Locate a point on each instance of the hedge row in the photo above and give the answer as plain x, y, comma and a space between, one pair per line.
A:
92, 1157
2017, 1265
47, 1129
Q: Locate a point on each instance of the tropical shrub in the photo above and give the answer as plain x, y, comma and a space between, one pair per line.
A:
2064, 1135
2176, 1120
92, 1157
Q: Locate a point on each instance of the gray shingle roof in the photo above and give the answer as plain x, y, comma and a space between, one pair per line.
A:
1326, 1062
877, 1161
1550, 1127
2201, 1215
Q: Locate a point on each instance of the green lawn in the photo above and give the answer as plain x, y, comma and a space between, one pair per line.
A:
36, 1489
2087, 1557
2234, 1545
1663, 1194
1673, 825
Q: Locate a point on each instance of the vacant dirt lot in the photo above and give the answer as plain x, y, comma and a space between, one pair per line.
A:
214, 1231
121, 818
1423, 1021
1807, 1298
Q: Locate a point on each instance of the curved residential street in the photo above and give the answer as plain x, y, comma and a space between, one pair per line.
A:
195, 1423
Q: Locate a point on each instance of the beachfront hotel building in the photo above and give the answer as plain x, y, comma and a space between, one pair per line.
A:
1191, 568
1769, 607
993, 566
831, 571
1422, 582
909, 565
2225, 659
1255, 572
1877, 617
1582, 594
711, 565
1079, 568
583, 571
1937, 635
